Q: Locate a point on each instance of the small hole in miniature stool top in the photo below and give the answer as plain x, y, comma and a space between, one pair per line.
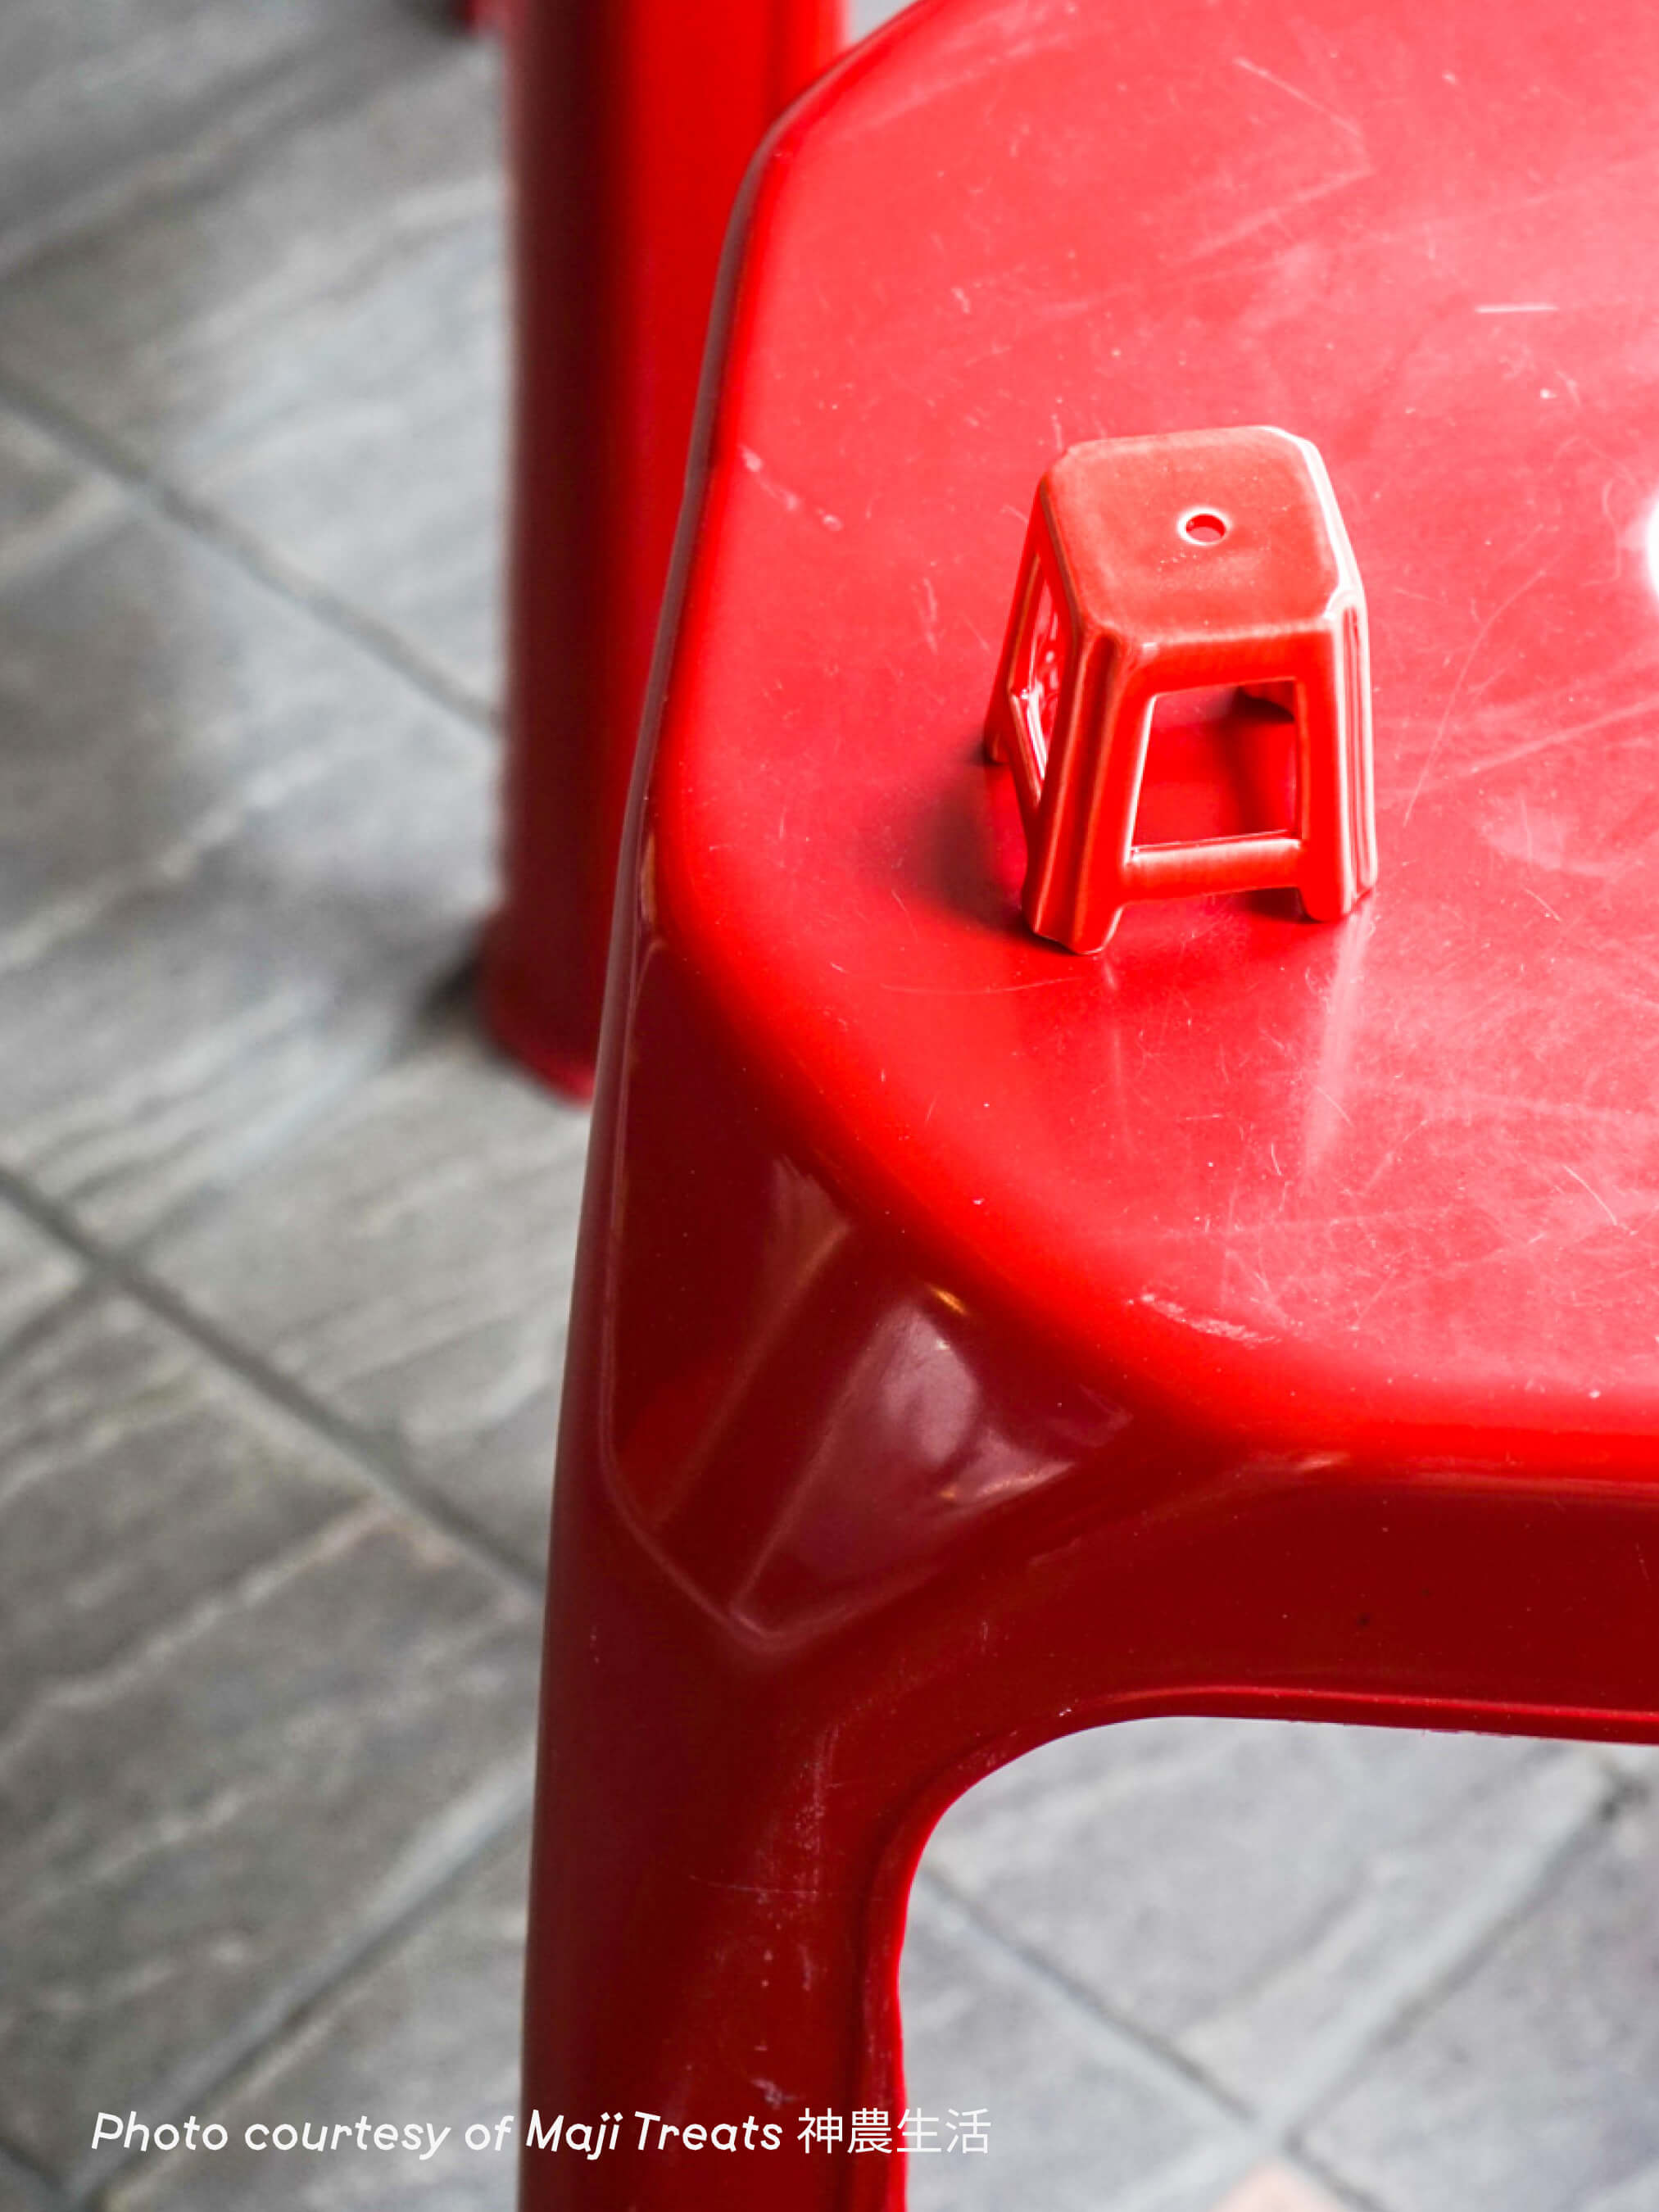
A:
1203, 527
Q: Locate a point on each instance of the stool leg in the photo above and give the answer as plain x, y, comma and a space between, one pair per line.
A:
791, 1613
718, 1907
1339, 857
631, 124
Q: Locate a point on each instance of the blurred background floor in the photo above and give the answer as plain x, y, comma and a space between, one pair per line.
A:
284, 1251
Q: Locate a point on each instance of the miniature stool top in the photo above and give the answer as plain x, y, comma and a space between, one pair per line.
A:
1396, 1175
1263, 560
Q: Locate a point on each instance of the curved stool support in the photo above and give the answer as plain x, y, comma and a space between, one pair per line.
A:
831, 1543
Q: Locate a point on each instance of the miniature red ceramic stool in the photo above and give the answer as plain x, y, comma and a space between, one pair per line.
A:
1159, 565
972, 1343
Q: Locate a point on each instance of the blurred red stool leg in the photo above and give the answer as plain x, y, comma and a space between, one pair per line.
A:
631, 122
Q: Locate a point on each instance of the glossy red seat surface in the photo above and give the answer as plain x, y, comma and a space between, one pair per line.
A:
1372, 1143
975, 1341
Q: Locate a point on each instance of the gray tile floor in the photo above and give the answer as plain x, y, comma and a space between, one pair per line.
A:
283, 1254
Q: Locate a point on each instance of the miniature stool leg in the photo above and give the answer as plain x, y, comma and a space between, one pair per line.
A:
1339, 859
1077, 886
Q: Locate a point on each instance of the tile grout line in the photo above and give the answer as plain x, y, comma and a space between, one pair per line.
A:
423, 1025
1531, 1891
17, 2173
1280, 2134
289, 2007
1273, 2131
151, 490
59, 1313
382, 1467
286, 91
215, 2072
1167, 2060
1217, 2169
1276, 2132
1345, 2192
1541, 1755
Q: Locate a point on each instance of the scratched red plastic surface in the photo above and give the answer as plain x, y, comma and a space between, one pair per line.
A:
972, 1341
1393, 1173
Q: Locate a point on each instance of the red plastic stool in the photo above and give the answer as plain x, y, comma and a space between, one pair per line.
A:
1155, 566
973, 1342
